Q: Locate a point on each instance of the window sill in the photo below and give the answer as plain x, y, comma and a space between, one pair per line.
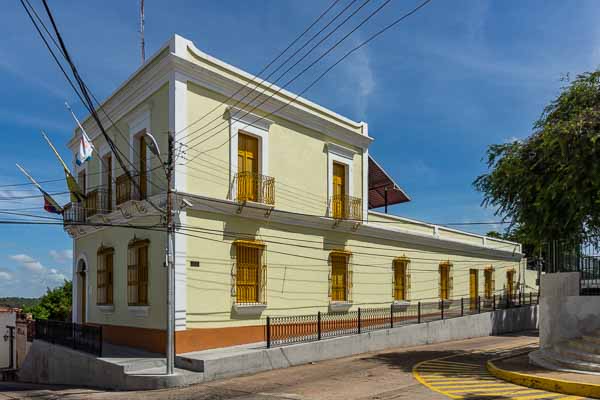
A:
400, 305
249, 308
106, 308
139, 311
340, 306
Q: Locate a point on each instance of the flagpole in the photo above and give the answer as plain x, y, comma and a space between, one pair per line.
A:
67, 170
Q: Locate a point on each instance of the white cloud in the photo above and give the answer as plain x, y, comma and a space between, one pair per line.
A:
359, 80
61, 256
5, 276
28, 262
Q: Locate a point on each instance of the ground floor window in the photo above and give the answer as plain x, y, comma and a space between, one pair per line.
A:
104, 276
137, 272
489, 283
445, 286
510, 282
401, 277
340, 276
250, 272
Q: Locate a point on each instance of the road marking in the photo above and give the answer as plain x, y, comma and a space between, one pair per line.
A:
461, 380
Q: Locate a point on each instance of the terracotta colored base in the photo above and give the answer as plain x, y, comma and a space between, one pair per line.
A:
153, 340
212, 338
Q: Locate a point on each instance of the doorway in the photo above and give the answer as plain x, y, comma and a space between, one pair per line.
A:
82, 291
473, 288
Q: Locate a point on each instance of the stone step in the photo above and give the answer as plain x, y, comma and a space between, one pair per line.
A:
542, 359
138, 364
584, 345
155, 378
571, 363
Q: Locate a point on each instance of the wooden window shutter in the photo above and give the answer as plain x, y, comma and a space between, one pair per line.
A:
263, 279
408, 283
137, 272
394, 279
350, 281
250, 273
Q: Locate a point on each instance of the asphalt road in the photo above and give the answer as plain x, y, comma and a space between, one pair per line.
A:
425, 372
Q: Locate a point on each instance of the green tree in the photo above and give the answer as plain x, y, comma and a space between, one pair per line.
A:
548, 185
55, 304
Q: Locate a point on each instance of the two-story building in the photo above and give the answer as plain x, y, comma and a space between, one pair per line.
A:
277, 220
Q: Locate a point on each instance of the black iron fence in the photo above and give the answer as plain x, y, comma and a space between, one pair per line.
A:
584, 258
306, 328
85, 338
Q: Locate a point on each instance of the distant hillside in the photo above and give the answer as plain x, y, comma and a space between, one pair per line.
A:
18, 302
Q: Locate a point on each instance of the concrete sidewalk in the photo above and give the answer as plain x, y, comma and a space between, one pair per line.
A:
519, 370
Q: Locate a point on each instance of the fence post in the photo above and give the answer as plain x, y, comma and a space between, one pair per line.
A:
479, 304
442, 307
530, 298
319, 325
391, 315
494, 302
462, 307
419, 312
268, 332
508, 300
358, 319
538, 297
100, 350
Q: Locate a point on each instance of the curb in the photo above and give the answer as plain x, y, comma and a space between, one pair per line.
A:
536, 382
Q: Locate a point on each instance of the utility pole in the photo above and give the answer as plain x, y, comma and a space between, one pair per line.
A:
142, 43
170, 261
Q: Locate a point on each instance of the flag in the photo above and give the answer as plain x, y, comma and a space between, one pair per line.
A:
86, 147
77, 194
49, 204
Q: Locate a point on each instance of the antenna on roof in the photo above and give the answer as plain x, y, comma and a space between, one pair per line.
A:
142, 43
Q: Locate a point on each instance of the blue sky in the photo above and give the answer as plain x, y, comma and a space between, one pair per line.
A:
436, 90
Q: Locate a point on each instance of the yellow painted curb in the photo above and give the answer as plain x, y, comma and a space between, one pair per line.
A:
537, 382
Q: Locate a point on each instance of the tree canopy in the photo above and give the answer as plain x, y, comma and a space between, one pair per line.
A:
548, 185
55, 304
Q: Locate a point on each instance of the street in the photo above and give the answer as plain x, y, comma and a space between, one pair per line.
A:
408, 373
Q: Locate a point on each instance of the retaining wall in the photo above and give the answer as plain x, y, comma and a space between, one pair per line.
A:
217, 364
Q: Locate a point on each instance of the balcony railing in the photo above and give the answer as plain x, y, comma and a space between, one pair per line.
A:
255, 187
345, 207
126, 190
73, 213
98, 201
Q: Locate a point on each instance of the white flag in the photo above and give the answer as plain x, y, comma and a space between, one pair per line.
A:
85, 144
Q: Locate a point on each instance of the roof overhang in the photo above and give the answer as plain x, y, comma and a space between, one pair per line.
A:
381, 182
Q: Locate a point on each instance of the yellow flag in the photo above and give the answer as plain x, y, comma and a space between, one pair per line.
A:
77, 194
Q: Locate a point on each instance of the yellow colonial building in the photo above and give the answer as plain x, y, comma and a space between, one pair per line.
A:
274, 212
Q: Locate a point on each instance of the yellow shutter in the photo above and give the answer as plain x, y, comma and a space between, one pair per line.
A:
247, 167
248, 261
446, 281
401, 279
341, 278
473, 287
339, 190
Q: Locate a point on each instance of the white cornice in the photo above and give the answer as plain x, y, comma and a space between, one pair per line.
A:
405, 236
340, 150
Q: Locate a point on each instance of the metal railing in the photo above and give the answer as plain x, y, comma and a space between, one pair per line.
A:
126, 190
97, 201
85, 338
583, 258
254, 187
345, 207
306, 328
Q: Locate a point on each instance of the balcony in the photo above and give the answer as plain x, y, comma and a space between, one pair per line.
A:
126, 190
98, 201
254, 187
345, 207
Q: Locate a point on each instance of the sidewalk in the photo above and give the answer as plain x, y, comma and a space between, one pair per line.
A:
518, 370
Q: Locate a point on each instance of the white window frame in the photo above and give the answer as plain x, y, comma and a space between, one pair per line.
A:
342, 155
253, 125
139, 124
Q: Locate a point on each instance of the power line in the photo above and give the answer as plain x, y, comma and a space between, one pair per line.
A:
372, 37
263, 70
270, 84
290, 81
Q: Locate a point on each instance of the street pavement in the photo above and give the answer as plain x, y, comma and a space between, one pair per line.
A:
446, 370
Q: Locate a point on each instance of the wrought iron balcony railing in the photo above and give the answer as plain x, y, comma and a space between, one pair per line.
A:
73, 213
126, 190
345, 207
254, 187
98, 201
